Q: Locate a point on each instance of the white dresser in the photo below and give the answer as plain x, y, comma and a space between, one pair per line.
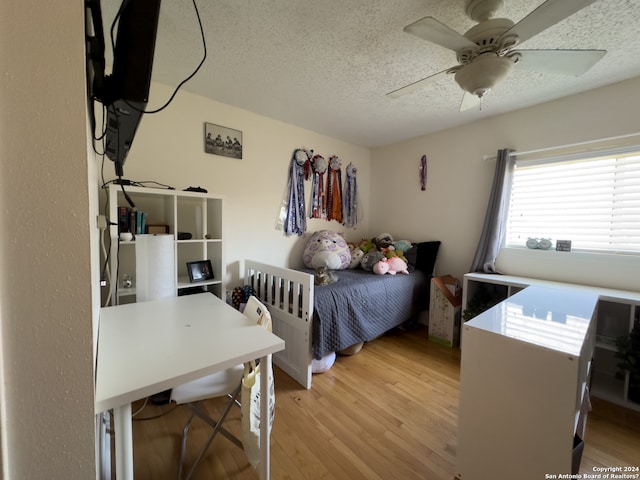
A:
525, 369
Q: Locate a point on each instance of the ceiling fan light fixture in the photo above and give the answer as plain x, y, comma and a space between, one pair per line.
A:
483, 74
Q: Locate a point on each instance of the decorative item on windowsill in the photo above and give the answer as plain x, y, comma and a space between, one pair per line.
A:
629, 355
539, 243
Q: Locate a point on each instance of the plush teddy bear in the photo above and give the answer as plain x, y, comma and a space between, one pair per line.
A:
327, 249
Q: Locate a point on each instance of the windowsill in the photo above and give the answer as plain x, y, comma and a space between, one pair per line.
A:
617, 271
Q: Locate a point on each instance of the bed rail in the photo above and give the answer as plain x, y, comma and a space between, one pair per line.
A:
288, 294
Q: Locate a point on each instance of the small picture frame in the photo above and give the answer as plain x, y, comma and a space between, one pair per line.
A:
200, 271
563, 245
219, 140
157, 229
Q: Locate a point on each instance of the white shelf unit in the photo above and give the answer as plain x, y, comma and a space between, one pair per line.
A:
196, 213
524, 374
615, 314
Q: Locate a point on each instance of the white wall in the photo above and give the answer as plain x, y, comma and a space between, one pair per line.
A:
169, 148
46, 252
453, 206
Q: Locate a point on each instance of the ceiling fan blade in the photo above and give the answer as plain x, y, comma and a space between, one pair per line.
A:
412, 87
564, 62
469, 101
545, 16
431, 30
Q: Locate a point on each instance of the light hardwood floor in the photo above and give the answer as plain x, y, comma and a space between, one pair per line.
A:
388, 412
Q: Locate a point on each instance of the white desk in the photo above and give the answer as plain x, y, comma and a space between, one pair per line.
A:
523, 383
148, 347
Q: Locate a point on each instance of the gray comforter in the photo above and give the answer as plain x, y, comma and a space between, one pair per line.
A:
361, 306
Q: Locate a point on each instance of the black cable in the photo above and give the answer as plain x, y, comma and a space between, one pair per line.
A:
126, 195
136, 183
204, 57
142, 183
113, 26
104, 125
106, 216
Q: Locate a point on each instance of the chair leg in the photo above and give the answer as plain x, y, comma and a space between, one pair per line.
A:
183, 447
199, 410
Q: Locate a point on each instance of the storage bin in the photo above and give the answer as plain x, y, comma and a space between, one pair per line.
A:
445, 306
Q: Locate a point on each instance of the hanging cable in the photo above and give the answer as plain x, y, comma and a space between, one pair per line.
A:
193, 74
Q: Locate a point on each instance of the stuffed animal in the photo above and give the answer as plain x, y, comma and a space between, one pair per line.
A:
381, 267
367, 245
370, 259
356, 258
391, 252
327, 249
323, 276
397, 265
402, 245
383, 240
391, 266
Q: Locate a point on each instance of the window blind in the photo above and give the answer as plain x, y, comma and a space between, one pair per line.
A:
592, 200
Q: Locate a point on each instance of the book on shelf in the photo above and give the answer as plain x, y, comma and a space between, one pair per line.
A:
131, 220
123, 219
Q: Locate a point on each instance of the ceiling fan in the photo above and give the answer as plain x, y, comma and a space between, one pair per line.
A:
486, 53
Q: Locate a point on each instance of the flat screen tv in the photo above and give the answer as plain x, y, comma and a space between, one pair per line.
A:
125, 92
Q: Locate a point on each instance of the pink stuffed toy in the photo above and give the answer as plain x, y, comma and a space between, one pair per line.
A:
391, 266
381, 267
397, 265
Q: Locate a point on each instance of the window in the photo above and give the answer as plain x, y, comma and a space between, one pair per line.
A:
591, 199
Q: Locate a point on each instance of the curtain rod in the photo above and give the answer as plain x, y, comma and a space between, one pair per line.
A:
570, 145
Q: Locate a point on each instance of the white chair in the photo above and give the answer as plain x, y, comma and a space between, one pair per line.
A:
227, 383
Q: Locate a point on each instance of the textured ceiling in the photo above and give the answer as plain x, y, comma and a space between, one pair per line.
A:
326, 65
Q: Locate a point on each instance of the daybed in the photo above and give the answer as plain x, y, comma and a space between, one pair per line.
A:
360, 306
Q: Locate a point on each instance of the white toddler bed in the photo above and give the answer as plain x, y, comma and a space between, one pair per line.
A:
288, 294
362, 306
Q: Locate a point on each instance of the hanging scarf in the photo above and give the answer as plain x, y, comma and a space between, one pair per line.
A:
295, 222
318, 208
334, 189
351, 201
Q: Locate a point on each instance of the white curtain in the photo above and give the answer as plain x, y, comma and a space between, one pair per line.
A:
496, 216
